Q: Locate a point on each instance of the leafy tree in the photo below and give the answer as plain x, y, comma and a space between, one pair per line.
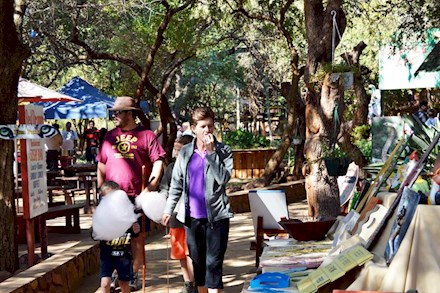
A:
282, 18
148, 38
317, 109
209, 81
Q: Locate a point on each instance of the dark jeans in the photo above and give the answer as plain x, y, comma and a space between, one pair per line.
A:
91, 154
52, 157
207, 246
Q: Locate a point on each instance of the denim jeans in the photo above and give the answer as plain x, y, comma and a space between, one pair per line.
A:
207, 243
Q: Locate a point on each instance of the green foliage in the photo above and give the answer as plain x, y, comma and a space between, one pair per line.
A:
361, 138
366, 147
335, 152
242, 139
361, 132
212, 81
126, 29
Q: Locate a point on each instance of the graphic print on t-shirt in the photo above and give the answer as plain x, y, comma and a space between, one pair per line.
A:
124, 145
119, 246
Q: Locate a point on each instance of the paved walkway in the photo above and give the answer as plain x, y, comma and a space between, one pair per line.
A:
239, 265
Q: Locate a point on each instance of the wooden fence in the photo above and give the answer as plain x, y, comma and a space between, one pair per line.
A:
250, 163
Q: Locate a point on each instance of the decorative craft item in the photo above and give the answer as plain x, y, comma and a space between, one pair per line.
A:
405, 212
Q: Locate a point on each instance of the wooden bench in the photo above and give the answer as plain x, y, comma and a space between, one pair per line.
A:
69, 211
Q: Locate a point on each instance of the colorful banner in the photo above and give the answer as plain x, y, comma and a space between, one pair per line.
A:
27, 131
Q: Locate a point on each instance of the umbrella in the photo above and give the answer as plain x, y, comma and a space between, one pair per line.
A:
31, 92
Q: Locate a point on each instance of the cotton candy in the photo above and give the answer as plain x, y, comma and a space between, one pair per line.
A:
153, 204
113, 216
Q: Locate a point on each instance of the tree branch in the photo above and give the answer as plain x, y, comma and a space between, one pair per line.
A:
279, 24
170, 73
95, 55
145, 82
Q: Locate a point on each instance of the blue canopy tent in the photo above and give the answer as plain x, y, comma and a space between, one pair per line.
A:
94, 102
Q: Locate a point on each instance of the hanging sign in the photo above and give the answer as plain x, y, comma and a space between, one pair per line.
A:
27, 131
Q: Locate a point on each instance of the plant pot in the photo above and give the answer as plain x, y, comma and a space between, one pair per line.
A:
297, 140
337, 166
306, 231
347, 79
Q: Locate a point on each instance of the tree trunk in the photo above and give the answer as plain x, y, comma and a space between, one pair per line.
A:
295, 108
321, 130
12, 54
167, 118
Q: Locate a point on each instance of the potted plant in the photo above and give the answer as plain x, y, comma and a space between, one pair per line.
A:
336, 162
344, 72
338, 71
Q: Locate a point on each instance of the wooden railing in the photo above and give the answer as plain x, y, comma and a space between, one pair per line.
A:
250, 163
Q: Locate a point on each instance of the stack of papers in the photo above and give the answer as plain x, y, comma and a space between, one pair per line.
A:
343, 263
308, 254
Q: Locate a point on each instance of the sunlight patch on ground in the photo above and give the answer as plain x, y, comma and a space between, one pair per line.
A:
237, 263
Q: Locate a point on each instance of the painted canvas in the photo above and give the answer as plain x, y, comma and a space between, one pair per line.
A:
386, 132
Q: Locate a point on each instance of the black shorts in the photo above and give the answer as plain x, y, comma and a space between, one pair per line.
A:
122, 264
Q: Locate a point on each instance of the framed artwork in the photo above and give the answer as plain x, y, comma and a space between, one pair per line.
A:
386, 132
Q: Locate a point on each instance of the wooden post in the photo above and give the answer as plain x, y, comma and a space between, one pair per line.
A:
144, 261
30, 237
43, 236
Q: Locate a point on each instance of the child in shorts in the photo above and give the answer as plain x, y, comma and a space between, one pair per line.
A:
116, 254
179, 248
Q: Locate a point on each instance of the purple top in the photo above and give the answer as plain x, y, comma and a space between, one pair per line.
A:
196, 170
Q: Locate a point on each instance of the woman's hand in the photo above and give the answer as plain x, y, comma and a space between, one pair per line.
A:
209, 142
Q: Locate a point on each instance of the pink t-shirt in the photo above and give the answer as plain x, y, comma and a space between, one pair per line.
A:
124, 153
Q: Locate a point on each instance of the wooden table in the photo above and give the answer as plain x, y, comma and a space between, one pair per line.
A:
78, 168
90, 181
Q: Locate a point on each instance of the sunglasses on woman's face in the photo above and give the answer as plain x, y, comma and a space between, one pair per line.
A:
117, 113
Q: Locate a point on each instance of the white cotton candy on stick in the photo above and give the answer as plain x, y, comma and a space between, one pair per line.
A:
113, 216
153, 204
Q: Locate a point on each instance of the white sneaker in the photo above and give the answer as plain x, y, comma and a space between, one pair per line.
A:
114, 283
